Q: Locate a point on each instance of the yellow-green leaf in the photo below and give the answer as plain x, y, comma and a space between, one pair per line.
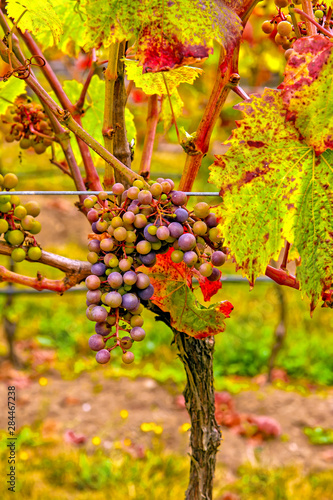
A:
9, 91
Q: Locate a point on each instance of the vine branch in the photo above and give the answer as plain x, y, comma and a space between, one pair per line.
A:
148, 145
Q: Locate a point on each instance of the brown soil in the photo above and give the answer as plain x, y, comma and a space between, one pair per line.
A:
62, 405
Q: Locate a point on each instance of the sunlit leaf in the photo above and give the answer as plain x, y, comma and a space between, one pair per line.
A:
40, 16
274, 187
153, 83
177, 106
307, 90
9, 91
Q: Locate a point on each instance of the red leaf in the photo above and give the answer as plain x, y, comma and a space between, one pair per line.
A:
226, 308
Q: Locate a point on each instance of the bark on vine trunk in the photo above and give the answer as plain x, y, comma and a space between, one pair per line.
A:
197, 358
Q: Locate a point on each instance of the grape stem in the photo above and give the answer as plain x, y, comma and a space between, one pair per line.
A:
39, 283
148, 145
295, 23
313, 23
80, 102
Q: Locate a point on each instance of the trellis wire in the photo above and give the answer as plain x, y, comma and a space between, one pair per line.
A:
75, 193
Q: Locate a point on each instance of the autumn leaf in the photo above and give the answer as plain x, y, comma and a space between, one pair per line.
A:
276, 188
173, 295
307, 90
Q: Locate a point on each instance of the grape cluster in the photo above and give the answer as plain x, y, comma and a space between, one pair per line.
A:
17, 221
281, 26
130, 228
27, 123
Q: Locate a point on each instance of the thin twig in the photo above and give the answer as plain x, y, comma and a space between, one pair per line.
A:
172, 112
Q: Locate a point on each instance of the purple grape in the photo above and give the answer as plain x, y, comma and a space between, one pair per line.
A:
149, 237
92, 282
102, 329
137, 333
96, 342
175, 229
218, 258
99, 314
89, 311
98, 269
190, 258
88, 303
130, 277
215, 276
211, 220
94, 228
186, 242
130, 301
126, 343
113, 299
103, 356
178, 198
181, 215
148, 260
142, 281
94, 296
147, 293
115, 279
94, 246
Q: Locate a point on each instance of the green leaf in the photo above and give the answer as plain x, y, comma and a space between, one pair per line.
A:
153, 83
73, 28
9, 91
172, 294
40, 16
274, 187
177, 106
308, 90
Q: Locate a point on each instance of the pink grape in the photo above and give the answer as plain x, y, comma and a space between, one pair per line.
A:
92, 215
96, 342
142, 281
190, 258
128, 357
94, 296
92, 282
102, 328
162, 233
103, 356
137, 333
186, 242
113, 299
118, 188
178, 198
175, 229
115, 279
145, 197
99, 314
130, 278
94, 246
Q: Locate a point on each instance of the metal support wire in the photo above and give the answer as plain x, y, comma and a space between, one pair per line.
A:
75, 193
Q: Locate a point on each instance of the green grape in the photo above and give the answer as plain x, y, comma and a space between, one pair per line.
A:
117, 222
36, 227
18, 254
319, 14
10, 181
20, 212
139, 184
4, 198
9, 138
156, 246
143, 247
156, 190
39, 148
177, 256
25, 143
34, 253
90, 201
129, 249
206, 269
1, 179
130, 237
15, 237
152, 229
3, 226
32, 208
127, 288
213, 235
136, 320
92, 257
5, 208
15, 200
164, 197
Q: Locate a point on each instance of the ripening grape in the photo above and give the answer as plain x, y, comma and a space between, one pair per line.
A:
99, 314
288, 53
126, 343
94, 296
215, 276
137, 333
213, 235
92, 282
284, 28
125, 265
27, 222
142, 281
133, 192
118, 188
178, 198
145, 197
130, 278
101, 225
162, 233
10, 181
98, 269
32, 208
280, 40
103, 356
20, 212
120, 234
147, 293
143, 247
281, 3
190, 258
177, 256
36, 227
115, 279
175, 229
94, 245
136, 320
200, 228
117, 222
201, 210
156, 190
103, 329
128, 357
206, 269
267, 27
210, 220
34, 253
128, 217
107, 244
25, 143
92, 257
96, 342
186, 242
140, 221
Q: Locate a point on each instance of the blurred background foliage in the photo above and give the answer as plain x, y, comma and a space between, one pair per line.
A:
49, 469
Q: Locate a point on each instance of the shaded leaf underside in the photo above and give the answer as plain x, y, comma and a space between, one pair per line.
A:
275, 187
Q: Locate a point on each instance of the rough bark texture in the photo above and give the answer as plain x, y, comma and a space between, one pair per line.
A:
121, 148
197, 358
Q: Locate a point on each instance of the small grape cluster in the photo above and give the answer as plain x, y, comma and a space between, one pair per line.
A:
281, 26
17, 221
130, 228
27, 123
